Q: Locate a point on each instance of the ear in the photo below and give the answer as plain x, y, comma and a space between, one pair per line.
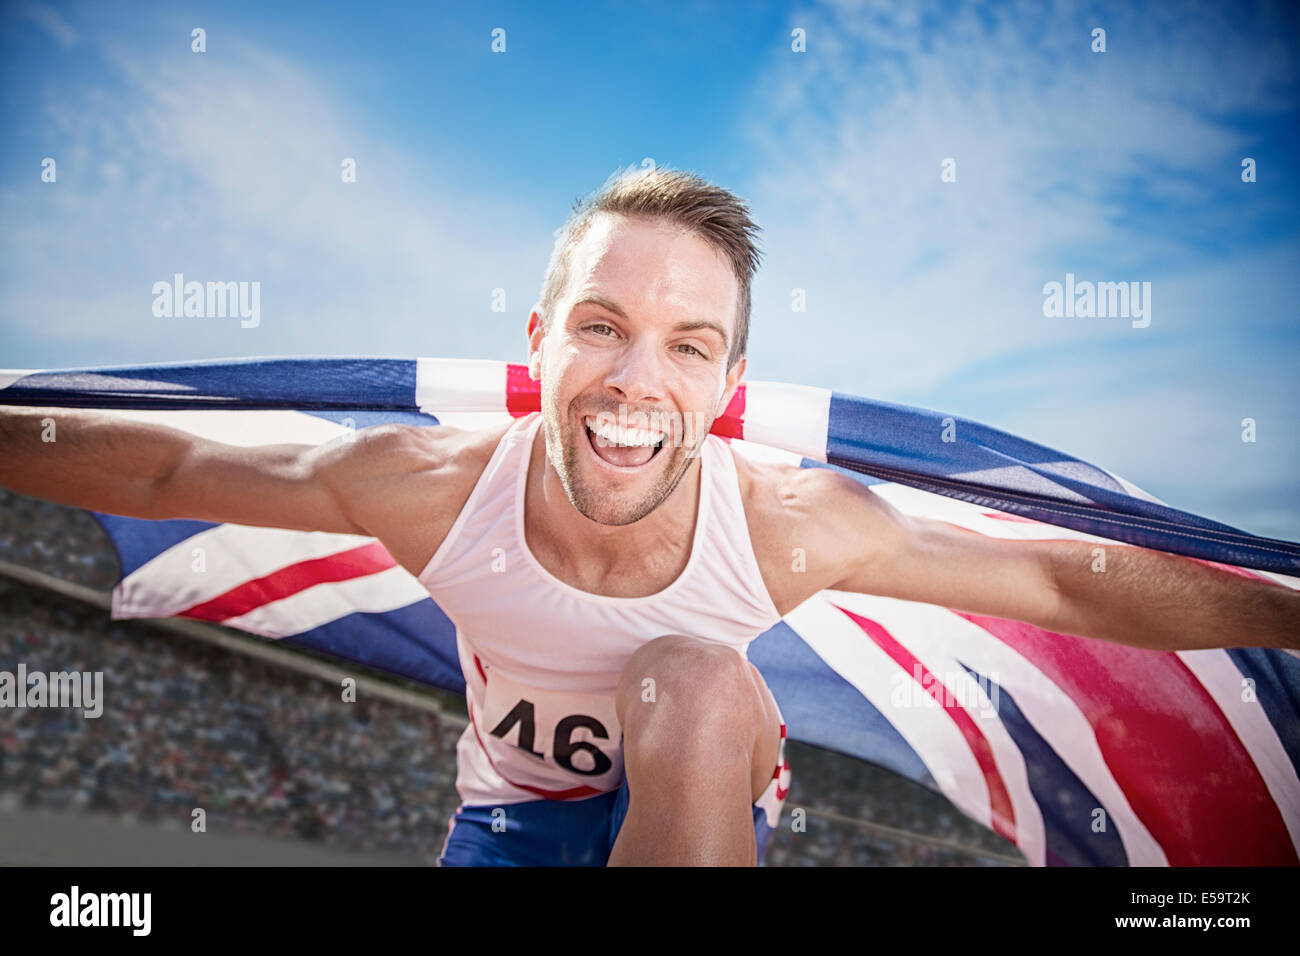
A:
535, 339
734, 378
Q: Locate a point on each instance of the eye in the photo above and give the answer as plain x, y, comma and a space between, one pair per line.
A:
598, 325
693, 349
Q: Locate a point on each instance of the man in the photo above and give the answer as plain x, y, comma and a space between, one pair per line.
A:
607, 562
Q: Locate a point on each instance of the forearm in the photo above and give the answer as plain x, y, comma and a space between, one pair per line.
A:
1167, 602
89, 459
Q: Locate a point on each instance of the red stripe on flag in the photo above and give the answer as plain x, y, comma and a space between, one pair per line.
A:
523, 393
344, 566
731, 423
1181, 766
1003, 815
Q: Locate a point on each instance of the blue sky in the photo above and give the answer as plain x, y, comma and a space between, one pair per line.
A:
1115, 166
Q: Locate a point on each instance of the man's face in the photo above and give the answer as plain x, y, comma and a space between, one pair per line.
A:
640, 339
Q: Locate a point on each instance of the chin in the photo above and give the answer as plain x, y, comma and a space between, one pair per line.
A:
612, 517
599, 499
611, 507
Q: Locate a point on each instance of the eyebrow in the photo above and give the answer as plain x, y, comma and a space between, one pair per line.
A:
686, 326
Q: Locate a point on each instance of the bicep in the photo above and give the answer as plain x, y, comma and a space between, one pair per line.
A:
921, 559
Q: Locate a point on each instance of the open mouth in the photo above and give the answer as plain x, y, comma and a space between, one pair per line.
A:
625, 449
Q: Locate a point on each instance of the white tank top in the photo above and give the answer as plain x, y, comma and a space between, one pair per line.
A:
542, 658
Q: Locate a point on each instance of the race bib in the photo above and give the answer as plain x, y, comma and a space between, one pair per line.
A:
551, 739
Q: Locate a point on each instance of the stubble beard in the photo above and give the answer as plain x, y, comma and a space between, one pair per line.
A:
605, 507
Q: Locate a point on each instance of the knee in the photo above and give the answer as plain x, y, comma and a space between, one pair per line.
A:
676, 682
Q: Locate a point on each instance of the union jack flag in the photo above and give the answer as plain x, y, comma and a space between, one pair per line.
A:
1078, 751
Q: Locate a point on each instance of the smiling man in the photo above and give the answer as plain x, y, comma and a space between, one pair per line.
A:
610, 648
607, 562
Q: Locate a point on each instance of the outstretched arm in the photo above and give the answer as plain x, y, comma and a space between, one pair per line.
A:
1124, 594
112, 463
1168, 602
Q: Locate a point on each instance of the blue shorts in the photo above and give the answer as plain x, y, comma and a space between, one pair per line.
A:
571, 832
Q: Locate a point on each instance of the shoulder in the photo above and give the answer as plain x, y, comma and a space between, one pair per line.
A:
402, 449
807, 525
814, 496
406, 484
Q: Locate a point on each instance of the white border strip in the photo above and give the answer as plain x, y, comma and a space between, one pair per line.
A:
460, 385
325, 603
1223, 682
795, 418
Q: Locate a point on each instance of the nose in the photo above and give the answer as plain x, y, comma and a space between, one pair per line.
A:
637, 375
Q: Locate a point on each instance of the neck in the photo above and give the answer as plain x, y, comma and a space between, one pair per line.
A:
550, 514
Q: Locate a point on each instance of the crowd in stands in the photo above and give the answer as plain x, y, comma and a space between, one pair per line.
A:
64, 542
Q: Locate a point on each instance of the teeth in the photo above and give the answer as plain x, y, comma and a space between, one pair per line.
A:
623, 436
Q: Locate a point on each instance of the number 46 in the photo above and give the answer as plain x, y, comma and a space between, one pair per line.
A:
564, 746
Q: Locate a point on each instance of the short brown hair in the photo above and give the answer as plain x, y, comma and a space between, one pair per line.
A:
675, 196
